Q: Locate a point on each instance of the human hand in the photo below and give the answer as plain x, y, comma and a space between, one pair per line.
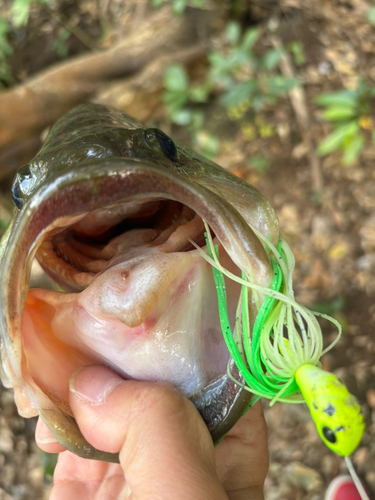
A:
166, 451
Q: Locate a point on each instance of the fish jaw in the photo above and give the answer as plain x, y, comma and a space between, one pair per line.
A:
64, 200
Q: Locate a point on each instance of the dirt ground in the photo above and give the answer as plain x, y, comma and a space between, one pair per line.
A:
331, 233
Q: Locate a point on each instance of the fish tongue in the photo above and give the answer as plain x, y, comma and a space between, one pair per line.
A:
129, 290
151, 318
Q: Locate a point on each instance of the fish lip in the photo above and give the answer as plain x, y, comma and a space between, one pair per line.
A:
92, 185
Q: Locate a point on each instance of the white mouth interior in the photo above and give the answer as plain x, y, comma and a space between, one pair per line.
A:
143, 300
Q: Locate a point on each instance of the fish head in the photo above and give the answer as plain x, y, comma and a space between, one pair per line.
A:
110, 210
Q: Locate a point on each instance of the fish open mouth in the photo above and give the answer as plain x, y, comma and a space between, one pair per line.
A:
144, 300
76, 255
116, 235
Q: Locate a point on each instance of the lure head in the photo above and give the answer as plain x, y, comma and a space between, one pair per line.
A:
336, 413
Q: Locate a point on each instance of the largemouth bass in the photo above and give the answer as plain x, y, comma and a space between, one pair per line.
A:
110, 210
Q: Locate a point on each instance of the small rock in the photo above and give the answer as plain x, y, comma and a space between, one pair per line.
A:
6, 440
299, 475
367, 233
370, 479
361, 374
370, 397
316, 497
17, 424
20, 492
325, 67
366, 262
275, 469
296, 454
21, 445
290, 217
7, 398
273, 494
311, 435
361, 457
8, 475
329, 465
361, 341
36, 476
340, 373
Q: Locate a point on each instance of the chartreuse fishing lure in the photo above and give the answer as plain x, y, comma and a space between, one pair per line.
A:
279, 358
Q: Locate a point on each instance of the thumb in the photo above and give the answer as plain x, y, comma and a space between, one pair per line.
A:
165, 448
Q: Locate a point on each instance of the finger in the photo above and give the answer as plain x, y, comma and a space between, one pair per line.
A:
77, 477
165, 448
242, 457
46, 440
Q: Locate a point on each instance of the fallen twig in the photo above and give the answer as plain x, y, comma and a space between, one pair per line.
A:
75, 30
29, 108
297, 97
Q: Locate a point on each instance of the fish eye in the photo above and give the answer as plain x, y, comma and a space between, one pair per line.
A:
22, 186
329, 435
156, 139
17, 194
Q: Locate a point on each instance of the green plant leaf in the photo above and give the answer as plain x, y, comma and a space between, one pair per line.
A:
371, 15
207, 143
353, 150
182, 117
197, 120
233, 33
199, 93
179, 6
336, 139
343, 97
250, 38
279, 84
59, 44
157, 3
296, 48
219, 64
239, 58
336, 305
49, 461
259, 101
175, 100
5, 48
175, 78
272, 58
259, 162
5, 73
20, 12
336, 113
239, 94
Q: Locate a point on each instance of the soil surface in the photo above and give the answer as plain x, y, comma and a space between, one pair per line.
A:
331, 233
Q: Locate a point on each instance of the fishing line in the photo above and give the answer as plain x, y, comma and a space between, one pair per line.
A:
356, 480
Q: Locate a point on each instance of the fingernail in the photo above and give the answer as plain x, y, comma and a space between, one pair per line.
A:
93, 383
43, 435
45, 440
